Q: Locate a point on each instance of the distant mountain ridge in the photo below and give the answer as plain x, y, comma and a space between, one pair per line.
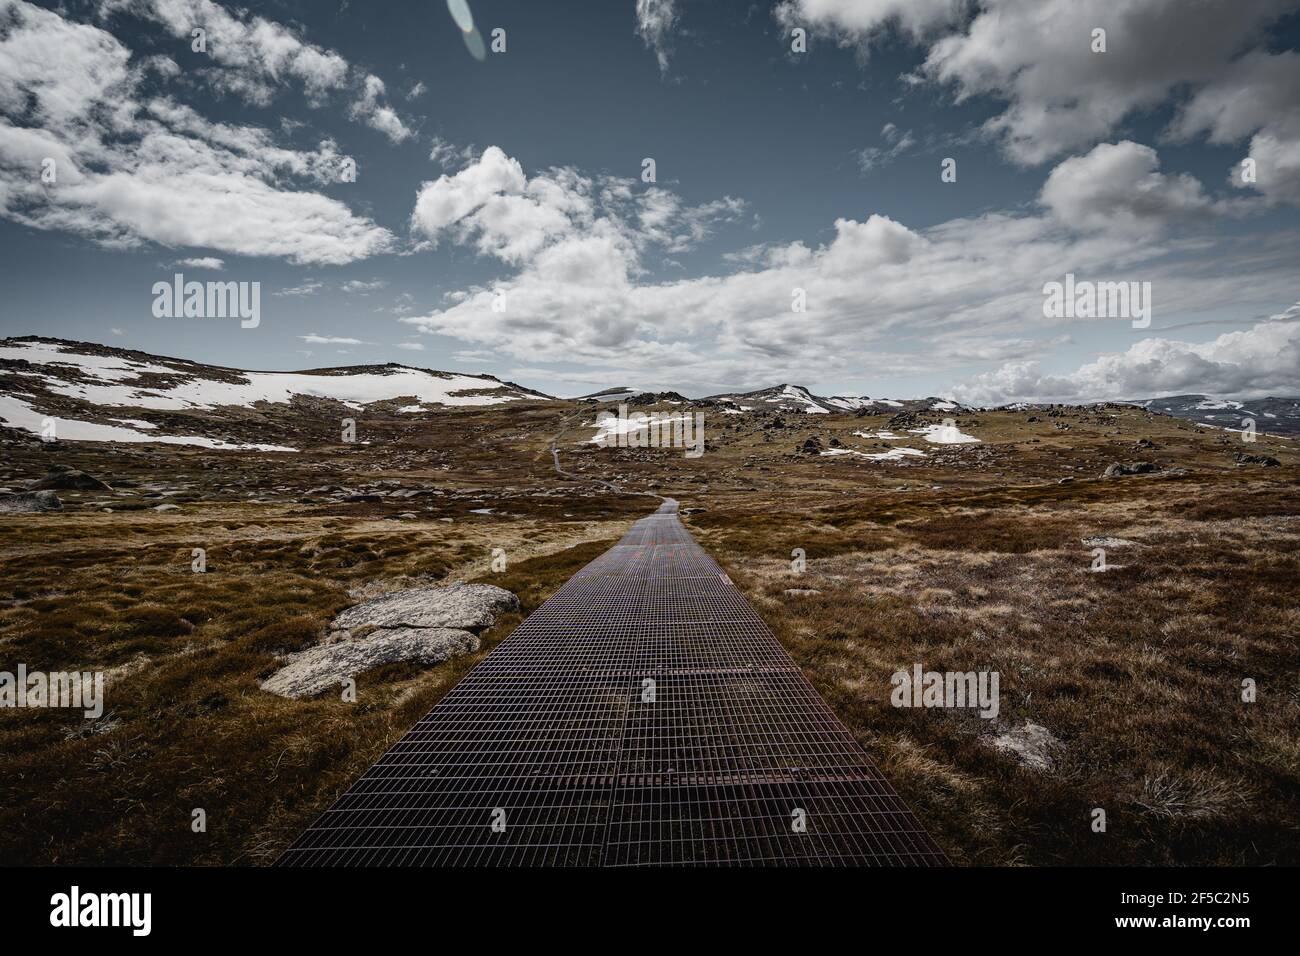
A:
102, 393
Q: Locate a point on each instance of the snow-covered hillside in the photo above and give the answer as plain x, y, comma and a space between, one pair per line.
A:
96, 393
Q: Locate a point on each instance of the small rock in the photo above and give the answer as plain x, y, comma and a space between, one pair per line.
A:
1268, 461
167, 508
801, 592
1131, 468
1032, 745
1105, 541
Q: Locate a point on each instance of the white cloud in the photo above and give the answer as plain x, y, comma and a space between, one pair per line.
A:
203, 262
859, 21
314, 339
655, 20
132, 169
251, 55
310, 287
1118, 187
572, 220
448, 156
1256, 362
377, 115
882, 299
418, 90
362, 287
1036, 57
411, 346
898, 143
1258, 96
1061, 96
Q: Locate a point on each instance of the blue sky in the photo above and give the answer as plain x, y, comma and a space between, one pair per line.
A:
499, 221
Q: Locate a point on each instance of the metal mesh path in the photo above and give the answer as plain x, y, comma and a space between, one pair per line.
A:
642, 715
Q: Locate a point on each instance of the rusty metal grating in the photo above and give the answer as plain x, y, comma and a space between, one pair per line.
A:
557, 737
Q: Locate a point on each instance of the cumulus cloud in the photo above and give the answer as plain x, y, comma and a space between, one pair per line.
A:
655, 20
1253, 363
1258, 96
1119, 187
882, 298
1061, 96
131, 167
493, 205
1035, 56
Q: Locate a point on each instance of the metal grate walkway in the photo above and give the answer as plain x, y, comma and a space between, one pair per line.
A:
642, 715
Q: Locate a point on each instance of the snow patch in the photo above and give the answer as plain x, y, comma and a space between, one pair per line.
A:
356, 390
945, 435
15, 413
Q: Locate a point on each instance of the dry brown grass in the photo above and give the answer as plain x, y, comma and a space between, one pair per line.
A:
970, 559
1136, 670
185, 723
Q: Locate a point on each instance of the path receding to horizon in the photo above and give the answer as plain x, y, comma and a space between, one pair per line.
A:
642, 715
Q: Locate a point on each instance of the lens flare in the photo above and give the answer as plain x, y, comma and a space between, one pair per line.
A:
460, 12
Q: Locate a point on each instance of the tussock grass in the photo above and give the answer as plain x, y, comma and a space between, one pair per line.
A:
1136, 670
186, 725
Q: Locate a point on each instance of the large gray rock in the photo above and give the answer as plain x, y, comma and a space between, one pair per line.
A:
425, 625
30, 502
465, 606
68, 479
318, 669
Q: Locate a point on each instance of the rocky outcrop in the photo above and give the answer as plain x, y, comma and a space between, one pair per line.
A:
63, 478
30, 502
312, 671
465, 606
425, 625
1121, 468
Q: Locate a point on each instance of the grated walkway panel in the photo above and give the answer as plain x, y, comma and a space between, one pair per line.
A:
643, 715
